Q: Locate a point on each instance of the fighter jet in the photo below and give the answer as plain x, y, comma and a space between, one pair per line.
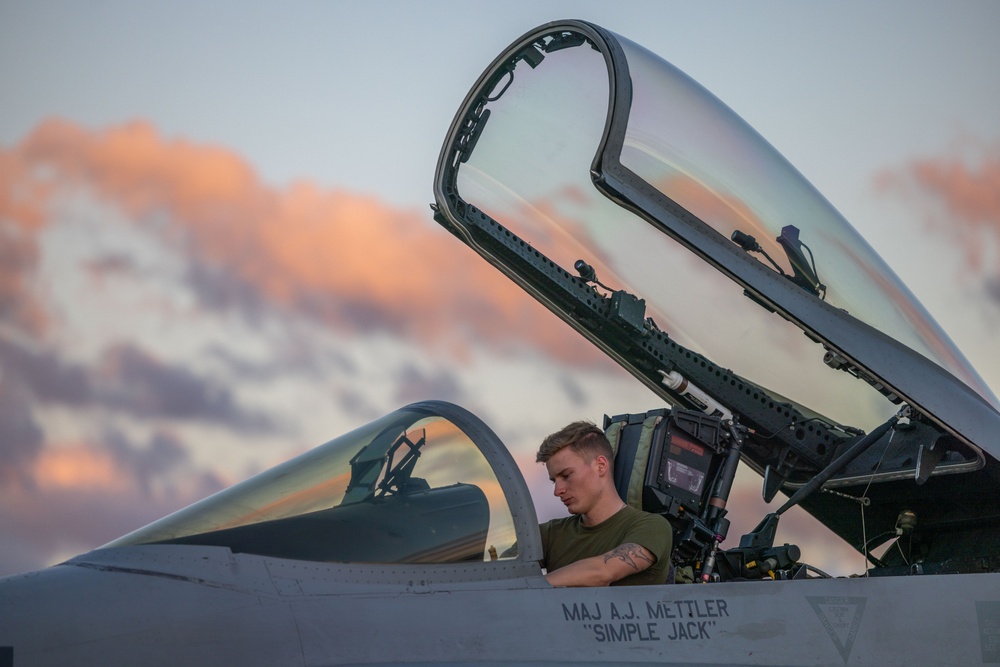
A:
651, 219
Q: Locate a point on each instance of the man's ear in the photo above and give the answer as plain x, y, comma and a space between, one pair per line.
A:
603, 465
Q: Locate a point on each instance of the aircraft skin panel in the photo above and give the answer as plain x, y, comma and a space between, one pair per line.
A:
219, 568
845, 621
312, 578
103, 614
187, 611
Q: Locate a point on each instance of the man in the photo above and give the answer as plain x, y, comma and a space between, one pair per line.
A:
604, 542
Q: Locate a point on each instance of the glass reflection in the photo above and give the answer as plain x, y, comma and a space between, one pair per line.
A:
531, 172
687, 144
407, 488
552, 204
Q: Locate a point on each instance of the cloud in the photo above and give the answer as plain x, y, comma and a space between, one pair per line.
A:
20, 220
414, 384
44, 374
59, 497
20, 438
127, 379
80, 495
960, 197
160, 464
573, 390
81, 468
345, 260
133, 380
110, 266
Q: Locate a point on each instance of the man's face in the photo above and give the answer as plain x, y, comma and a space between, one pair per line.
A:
578, 483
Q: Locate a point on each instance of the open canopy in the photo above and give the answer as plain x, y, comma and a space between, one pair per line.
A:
658, 224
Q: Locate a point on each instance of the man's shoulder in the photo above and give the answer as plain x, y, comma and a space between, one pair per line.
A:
554, 528
560, 523
639, 517
560, 520
652, 531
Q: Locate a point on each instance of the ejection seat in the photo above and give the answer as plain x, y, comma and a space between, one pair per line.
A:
666, 461
680, 464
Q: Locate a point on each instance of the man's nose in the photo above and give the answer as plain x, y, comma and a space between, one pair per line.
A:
558, 489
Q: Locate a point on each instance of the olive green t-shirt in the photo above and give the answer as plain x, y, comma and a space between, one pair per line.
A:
567, 540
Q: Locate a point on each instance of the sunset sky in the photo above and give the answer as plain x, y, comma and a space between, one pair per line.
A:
216, 249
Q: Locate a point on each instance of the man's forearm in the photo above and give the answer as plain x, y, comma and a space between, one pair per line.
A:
603, 570
587, 572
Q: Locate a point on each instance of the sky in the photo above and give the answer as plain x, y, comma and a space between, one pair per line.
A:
216, 250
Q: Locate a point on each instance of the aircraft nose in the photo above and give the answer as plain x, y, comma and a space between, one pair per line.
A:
93, 614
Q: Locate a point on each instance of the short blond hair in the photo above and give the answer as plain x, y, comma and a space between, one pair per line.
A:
583, 437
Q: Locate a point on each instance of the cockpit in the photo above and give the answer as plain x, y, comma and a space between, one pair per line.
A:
431, 484
416, 486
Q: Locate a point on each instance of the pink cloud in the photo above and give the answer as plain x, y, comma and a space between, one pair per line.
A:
963, 195
349, 260
20, 221
75, 496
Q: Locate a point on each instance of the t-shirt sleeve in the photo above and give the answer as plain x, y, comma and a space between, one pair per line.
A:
652, 532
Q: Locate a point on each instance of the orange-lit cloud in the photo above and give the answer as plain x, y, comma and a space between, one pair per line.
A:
964, 195
77, 467
349, 260
75, 496
724, 212
937, 344
20, 220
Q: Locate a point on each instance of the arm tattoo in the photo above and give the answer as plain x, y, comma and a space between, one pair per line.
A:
629, 553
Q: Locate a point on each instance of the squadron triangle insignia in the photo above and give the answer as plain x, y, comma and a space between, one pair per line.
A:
841, 617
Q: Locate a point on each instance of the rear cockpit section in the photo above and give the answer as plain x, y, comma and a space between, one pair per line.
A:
681, 464
429, 483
